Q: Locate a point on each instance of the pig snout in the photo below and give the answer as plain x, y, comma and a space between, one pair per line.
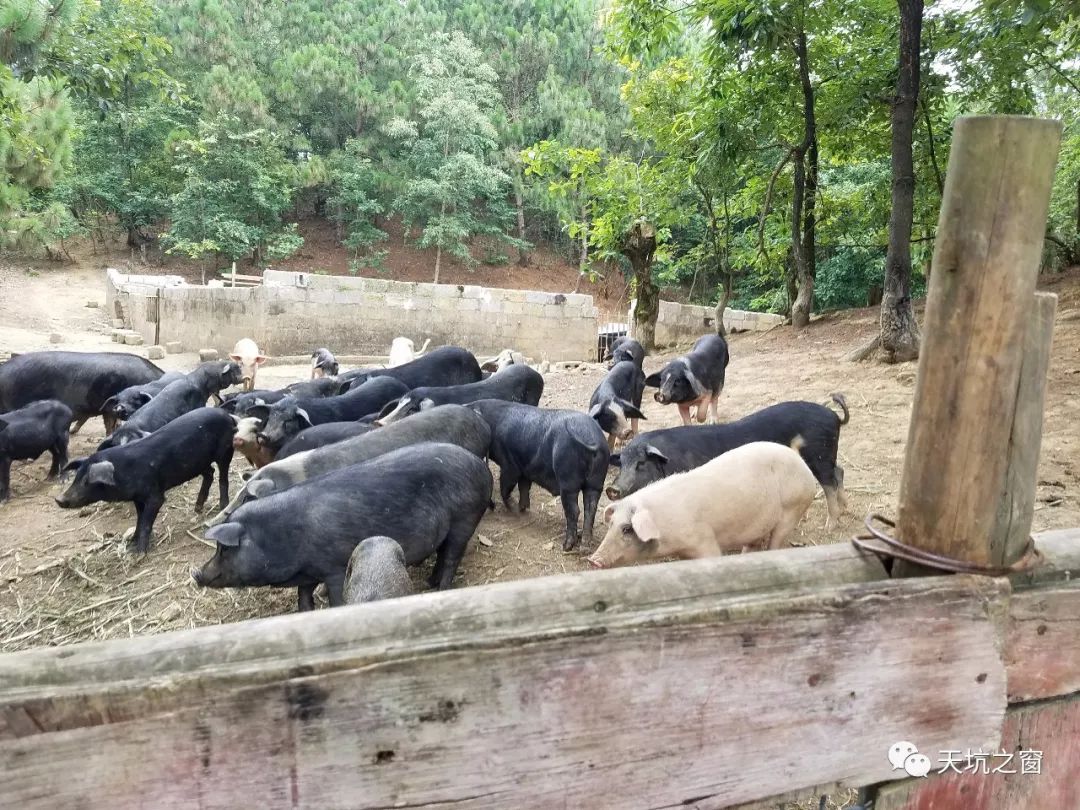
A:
660, 397
197, 575
613, 493
595, 563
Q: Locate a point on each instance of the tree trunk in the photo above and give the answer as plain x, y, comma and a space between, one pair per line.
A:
638, 246
721, 305
583, 258
805, 197
519, 203
438, 262
899, 331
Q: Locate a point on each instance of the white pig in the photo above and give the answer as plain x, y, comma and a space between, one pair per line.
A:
754, 494
403, 350
246, 352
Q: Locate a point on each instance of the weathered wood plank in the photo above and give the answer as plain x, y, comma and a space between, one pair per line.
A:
986, 255
1016, 506
580, 691
1060, 550
1042, 643
1052, 728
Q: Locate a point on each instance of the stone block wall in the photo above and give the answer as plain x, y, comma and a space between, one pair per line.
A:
678, 324
294, 313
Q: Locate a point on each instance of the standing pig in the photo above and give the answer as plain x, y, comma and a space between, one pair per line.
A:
429, 497
618, 398
246, 352
246, 441
143, 471
122, 406
81, 380
625, 348
660, 453
376, 571
403, 350
446, 365
29, 432
753, 494
215, 376
562, 451
323, 364
694, 380
452, 424
175, 400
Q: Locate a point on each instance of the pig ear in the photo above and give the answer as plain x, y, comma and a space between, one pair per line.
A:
389, 408
651, 451
630, 411
427, 403
74, 464
108, 404
235, 357
644, 525
101, 472
226, 534
260, 412
595, 410
653, 380
615, 460
304, 415
260, 487
260, 359
236, 419
609, 512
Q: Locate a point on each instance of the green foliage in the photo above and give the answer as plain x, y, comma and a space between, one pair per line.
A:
235, 186
354, 197
454, 189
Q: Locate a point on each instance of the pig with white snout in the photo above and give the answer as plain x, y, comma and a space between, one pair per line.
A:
247, 353
755, 494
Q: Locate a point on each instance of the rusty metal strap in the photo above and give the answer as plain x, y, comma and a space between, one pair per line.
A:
878, 542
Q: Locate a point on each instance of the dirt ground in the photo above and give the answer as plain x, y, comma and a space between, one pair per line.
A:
66, 576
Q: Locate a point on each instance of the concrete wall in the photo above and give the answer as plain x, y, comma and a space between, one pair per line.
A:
683, 323
294, 313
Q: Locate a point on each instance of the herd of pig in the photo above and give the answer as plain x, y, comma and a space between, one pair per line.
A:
360, 473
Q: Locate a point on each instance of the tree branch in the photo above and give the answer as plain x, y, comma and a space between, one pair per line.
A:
768, 199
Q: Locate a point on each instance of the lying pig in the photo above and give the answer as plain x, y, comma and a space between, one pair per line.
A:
376, 571
452, 424
403, 350
286, 418
246, 352
625, 348
429, 497
317, 388
28, 432
323, 364
756, 493
143, 471
121, 406
562, 451
694, 380
175, 400
246, 442
659, 453
618, 399
515, 383
322, 435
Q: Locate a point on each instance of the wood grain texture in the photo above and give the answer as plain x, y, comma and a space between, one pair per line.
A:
1042, 643
1016, 505
647, 689
1052, 727
986, 256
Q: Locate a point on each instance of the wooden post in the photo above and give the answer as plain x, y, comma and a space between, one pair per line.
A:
988, 246
1016, 508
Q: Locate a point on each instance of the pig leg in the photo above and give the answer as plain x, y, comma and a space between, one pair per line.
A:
702, 409
833, 503
783, 529
449, 555
591, 497
633, 428
335, 589
110, 423
305, 598
611, 442
204, 489
59, 456
570, 510
524, 487
715, 416
841, 493
146, 513
684, 412
508, 479
223, 480
79, 422
5, 479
